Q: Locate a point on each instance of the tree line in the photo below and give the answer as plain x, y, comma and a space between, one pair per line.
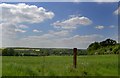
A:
41, 52
108, 46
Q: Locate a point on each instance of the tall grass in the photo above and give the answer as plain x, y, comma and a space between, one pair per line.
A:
0, 66
96, 65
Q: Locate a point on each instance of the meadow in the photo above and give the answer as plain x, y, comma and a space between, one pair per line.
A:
89, 65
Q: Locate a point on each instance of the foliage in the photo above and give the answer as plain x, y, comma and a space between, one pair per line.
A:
108, 42
8, 52
94, 46
108, 46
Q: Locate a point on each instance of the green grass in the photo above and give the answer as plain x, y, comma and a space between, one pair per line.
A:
97, 65
0, 66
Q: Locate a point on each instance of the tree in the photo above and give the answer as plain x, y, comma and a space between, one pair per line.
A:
102, 47
94, 46
8, 52
108, 42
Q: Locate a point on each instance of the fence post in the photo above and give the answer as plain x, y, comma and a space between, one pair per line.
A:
75, 57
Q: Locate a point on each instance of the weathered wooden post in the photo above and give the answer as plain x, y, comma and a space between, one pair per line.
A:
75, 57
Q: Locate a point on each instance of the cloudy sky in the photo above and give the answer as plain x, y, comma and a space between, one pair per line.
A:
57, 24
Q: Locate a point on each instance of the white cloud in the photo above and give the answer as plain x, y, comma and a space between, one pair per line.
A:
59, 0
68, 42
77, 1
14, 16
105, 0
99, 27
95, 0
24, 13
35, 30
55, 34
22, 26
8, 33
72, 23
116, 12
20, 30
8, 29
60, 33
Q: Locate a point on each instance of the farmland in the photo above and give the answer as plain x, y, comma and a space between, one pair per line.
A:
88, 65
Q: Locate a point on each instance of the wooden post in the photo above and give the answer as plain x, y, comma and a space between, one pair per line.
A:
75, 57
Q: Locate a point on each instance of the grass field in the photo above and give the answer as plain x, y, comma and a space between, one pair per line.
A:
97, 65
0, 66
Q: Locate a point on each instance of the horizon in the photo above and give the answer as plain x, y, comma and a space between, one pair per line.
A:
46, 47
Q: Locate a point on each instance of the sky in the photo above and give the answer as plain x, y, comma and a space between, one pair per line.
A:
59, 0
57, 24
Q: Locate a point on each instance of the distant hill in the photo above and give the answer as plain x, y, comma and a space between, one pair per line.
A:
16, 51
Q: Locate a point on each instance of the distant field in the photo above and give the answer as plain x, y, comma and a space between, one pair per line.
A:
97, 65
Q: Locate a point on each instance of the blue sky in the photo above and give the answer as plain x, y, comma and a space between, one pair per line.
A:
100, 14
63, 25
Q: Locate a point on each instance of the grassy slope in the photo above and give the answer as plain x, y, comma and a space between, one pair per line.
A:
99, 65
